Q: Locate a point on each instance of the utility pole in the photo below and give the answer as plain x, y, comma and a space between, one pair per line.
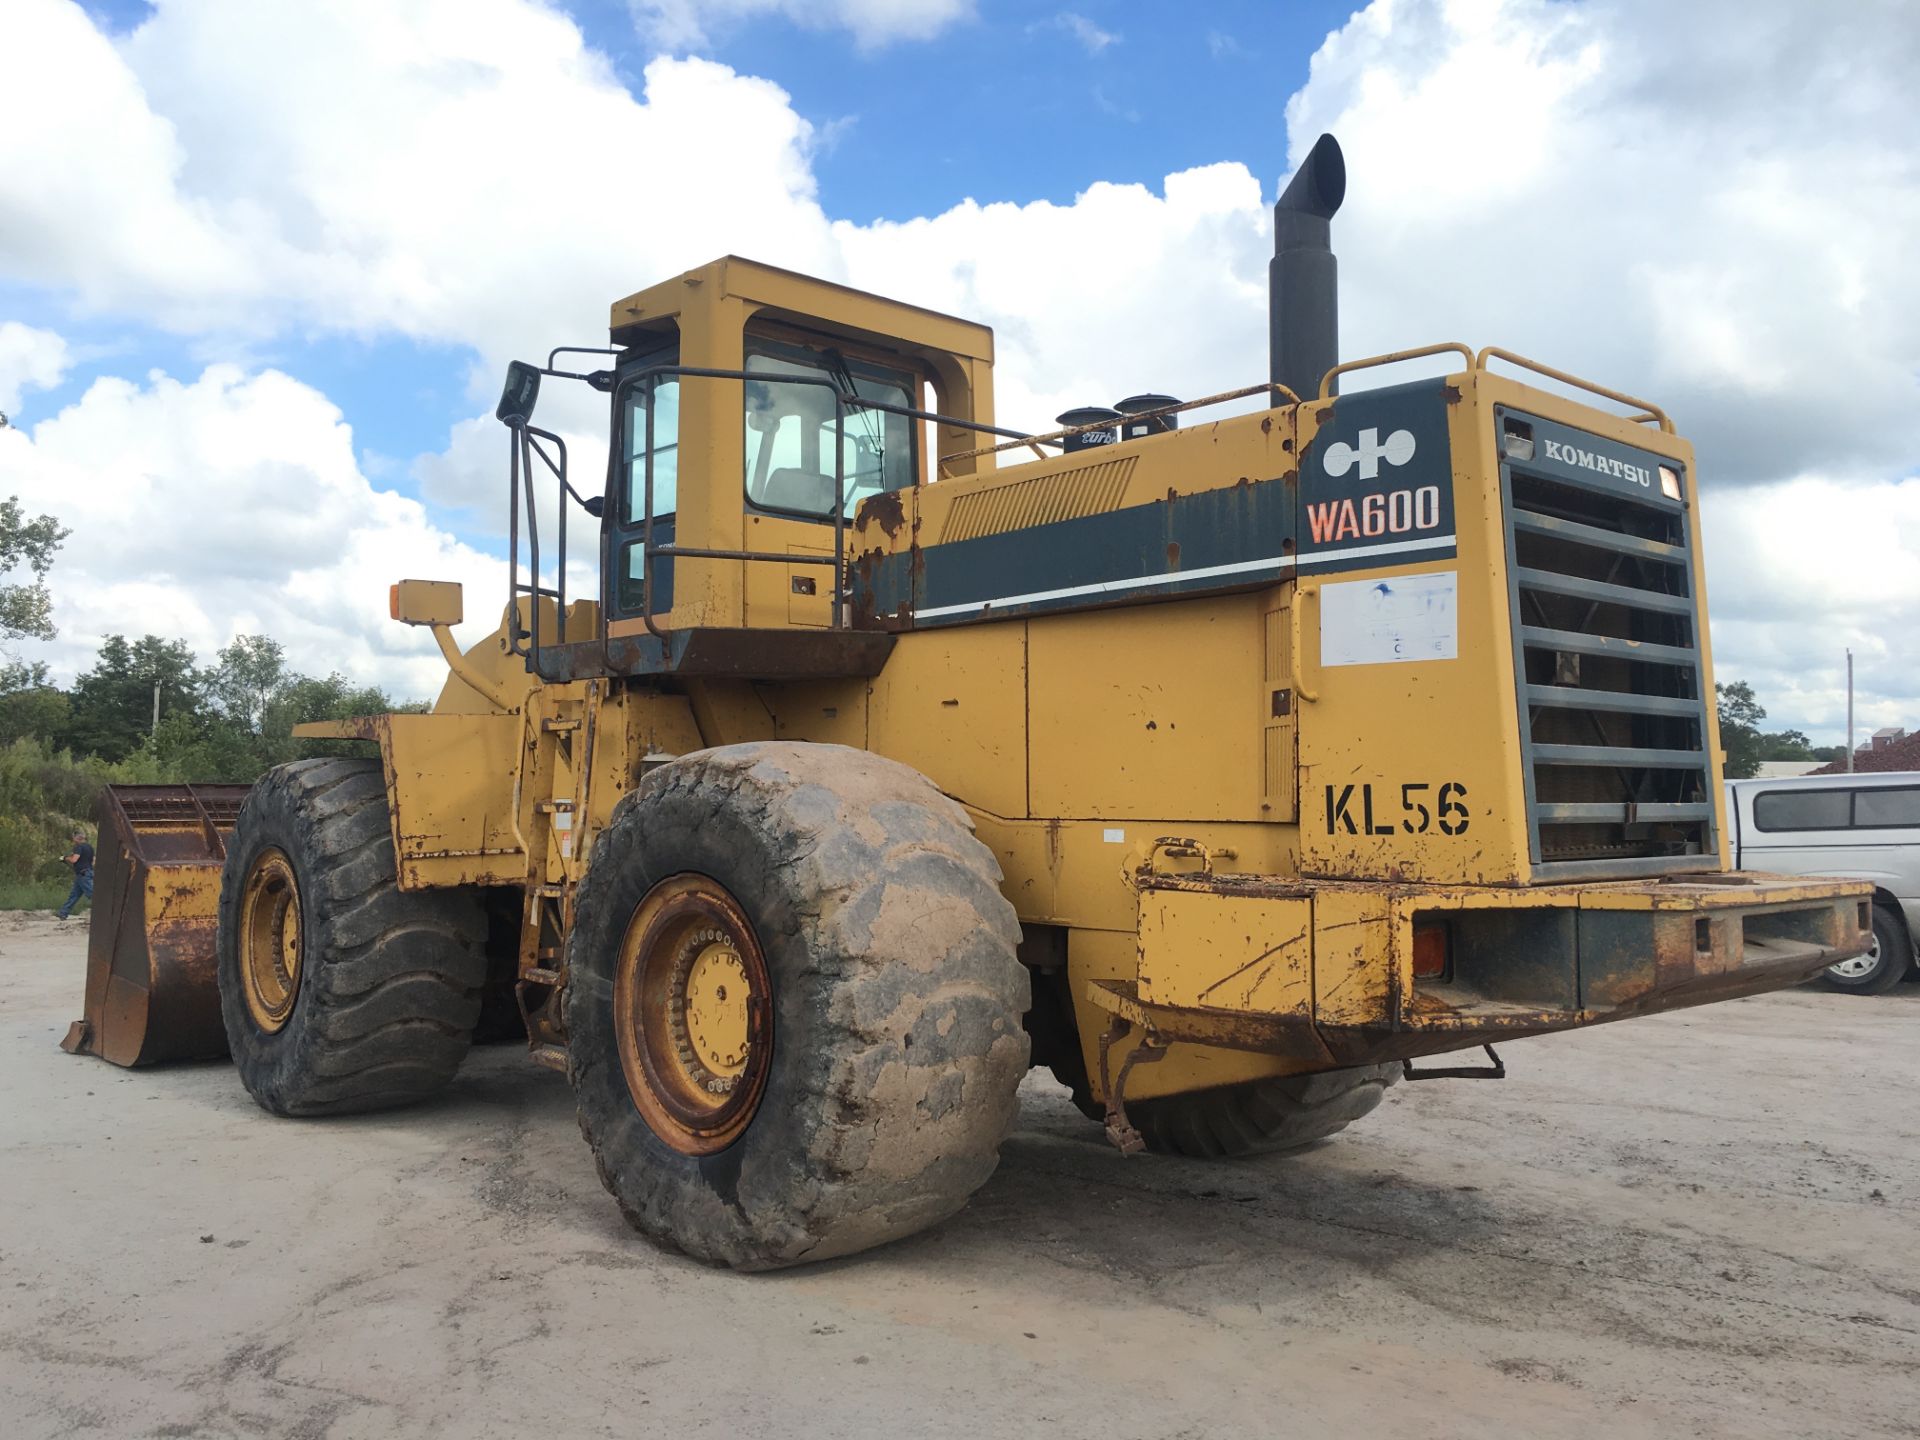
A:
1849, 710
156, 707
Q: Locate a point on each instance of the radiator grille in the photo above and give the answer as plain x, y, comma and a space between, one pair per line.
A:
1607, 659
1067, 495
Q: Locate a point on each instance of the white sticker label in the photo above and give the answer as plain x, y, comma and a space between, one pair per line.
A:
1114, 837
1385, 622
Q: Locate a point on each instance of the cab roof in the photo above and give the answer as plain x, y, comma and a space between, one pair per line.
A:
789, 295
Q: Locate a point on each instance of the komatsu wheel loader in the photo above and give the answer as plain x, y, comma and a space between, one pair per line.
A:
1227, 766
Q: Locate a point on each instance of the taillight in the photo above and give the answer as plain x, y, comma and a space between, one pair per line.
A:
1432, 950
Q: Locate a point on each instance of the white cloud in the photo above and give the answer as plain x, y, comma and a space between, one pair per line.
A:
1071, 310
682, 25
1804, 570
30, 359
91, 202
1708, 204
424, 169
1089, 36
230, 504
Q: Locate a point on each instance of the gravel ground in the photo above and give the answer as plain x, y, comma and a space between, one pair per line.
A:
1702, 1224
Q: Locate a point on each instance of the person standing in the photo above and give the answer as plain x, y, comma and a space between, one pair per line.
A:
81, 859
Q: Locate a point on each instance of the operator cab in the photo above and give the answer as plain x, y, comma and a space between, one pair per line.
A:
753, 412
798, 443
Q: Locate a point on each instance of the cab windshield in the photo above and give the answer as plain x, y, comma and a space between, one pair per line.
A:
792, 434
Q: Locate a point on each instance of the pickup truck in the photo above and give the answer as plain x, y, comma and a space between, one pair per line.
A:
1867, 826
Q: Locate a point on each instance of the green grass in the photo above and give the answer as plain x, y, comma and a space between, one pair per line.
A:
37, 895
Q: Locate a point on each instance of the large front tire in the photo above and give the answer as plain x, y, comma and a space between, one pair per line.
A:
793, 1005
339, 993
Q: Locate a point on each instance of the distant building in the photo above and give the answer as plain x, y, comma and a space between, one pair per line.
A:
1785, 769
1889, 748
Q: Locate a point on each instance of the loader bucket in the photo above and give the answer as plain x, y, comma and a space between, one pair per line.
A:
152, 993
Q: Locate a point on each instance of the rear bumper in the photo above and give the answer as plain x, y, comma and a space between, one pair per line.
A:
1321, 972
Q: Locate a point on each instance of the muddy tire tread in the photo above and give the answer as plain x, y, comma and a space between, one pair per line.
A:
391, 981
1260, 1117
824, 847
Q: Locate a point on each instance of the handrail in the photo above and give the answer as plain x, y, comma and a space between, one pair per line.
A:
1620, 397
1477, 362
523, 444
1393, 357
1054, 437
1296, 670
560, 350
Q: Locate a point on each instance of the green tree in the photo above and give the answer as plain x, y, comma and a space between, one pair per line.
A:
1786, 745
255, 701
1740, 738
247, 679
202, 747
26, 606
112, 703
36, 710
303, 698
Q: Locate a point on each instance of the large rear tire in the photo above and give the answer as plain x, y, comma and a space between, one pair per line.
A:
1259, 1117
793, 1005
339, 993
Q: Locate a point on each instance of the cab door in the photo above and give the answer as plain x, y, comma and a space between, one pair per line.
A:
798, 445
627, 595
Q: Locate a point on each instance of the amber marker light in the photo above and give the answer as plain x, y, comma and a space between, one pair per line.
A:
1430, 950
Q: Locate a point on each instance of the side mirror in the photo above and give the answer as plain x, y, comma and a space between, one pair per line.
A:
519, 395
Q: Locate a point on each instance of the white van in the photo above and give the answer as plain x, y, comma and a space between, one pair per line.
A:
1865, 825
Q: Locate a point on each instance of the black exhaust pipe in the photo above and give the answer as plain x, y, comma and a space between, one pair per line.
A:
1303, 281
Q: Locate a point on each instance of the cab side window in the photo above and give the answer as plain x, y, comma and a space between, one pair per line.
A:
666, 449
796, 442
626, 519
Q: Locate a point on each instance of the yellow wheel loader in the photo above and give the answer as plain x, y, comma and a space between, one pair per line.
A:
1227, 757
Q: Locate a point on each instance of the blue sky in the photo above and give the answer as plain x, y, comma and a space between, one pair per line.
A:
1021, 103
1017, 105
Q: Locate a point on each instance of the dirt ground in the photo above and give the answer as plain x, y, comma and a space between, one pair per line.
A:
1703, 1224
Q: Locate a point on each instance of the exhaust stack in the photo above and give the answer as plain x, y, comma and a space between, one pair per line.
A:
1303, 284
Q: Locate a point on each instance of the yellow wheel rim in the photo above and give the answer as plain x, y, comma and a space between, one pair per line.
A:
693, 1014
270, 940
716, 1009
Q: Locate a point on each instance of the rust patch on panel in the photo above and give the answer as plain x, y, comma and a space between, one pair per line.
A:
887, 511
151, 988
